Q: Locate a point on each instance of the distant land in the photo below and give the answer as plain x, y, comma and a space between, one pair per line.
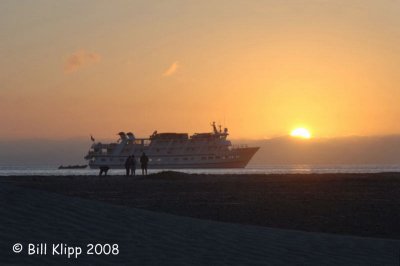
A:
281, 150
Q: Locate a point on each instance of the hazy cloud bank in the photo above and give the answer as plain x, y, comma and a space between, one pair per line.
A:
284, 150
347, 150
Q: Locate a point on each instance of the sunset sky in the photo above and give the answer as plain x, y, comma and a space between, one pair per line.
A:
262, 68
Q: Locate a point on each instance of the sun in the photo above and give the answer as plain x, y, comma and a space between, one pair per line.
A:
301, 133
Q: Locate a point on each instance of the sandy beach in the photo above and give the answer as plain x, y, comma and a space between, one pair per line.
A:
354, 204
182, 219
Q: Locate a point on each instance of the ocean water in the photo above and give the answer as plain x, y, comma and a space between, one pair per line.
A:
40, 170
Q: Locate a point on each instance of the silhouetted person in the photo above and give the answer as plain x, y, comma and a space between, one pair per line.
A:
133, 165
103, 169
128, 165
143, 162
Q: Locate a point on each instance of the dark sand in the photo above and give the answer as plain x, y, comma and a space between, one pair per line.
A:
80, 213
156, 238
349, 204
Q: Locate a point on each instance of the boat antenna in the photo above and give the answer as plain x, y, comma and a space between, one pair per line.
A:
214, 127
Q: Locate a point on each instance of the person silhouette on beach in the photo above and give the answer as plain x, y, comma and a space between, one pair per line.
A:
128, 165
103, 169
133, 165
143, 161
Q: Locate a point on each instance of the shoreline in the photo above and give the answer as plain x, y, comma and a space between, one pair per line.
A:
350, 204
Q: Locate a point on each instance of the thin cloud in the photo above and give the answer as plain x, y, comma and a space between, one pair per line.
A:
80, 59
171, 69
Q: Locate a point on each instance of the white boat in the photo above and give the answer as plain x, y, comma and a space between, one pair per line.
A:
173, 151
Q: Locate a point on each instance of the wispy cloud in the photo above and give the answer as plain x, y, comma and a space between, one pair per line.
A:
80, 59
171, 69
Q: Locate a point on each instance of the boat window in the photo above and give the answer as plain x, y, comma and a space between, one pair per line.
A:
146, 142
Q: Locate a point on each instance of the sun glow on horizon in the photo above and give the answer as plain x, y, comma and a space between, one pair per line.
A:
301, 133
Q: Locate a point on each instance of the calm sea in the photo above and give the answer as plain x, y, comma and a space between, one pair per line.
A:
252, 169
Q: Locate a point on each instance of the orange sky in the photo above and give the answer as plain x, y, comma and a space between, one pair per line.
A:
76, 68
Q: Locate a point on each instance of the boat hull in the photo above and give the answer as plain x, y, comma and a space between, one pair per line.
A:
237, 158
